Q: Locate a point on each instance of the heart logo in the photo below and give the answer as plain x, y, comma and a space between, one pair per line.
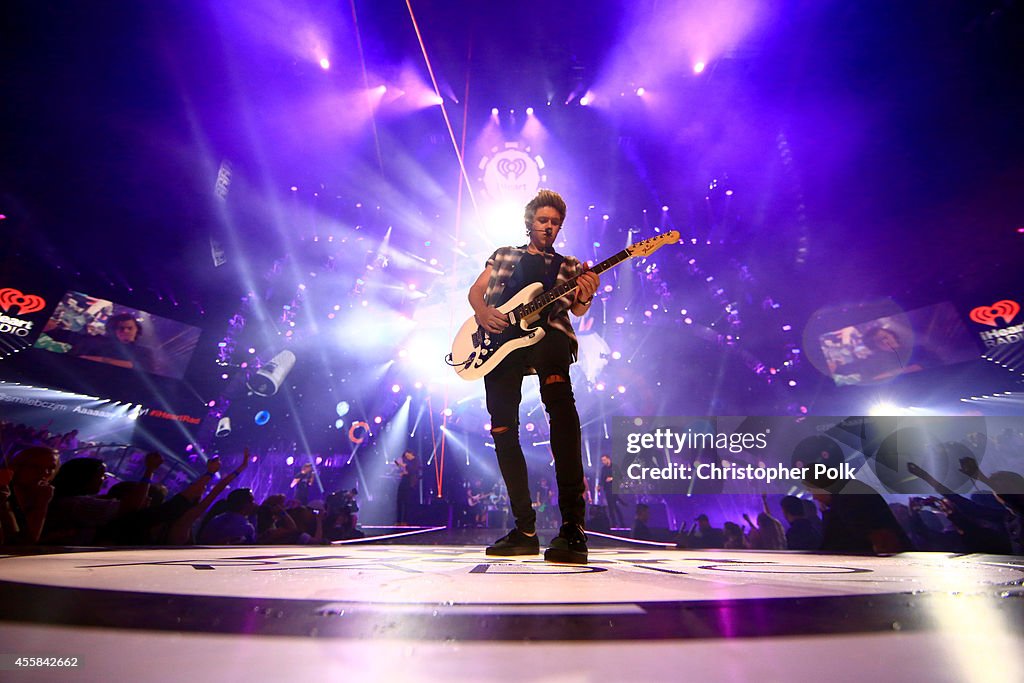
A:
511, 168
26, 303
987, 315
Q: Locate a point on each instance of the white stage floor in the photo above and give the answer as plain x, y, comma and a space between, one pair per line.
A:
407, 612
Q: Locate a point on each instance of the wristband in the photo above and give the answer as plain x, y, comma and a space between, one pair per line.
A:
585, 303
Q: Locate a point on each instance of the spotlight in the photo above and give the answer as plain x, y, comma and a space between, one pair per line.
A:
269, 378
640, 91
223, 427
699, 67
325, 63
494, 112
529, 111
289, 461
886, 409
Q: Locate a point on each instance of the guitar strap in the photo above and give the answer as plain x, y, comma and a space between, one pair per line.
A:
551, 277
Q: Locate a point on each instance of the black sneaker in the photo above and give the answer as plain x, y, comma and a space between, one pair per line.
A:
515, 542
570, 546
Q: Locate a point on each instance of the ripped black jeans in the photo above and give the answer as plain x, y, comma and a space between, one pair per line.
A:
551, 357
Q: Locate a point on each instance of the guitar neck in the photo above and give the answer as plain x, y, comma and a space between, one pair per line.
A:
555, 293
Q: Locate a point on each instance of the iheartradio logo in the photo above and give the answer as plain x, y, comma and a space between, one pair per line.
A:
988, 315
26, 303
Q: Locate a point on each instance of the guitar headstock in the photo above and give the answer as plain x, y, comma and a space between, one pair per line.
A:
652, 244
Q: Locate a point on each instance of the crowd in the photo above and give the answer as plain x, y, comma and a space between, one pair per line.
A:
856, 519
44, 501
54, 491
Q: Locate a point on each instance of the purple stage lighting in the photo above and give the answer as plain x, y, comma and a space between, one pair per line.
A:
529, 111
289, 461
699, 67
325, 63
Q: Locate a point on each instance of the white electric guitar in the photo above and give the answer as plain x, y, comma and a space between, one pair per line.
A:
475, 351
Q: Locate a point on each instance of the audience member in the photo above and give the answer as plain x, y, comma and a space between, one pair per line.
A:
802, 534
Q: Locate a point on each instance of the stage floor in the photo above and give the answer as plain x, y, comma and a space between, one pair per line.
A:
433, 612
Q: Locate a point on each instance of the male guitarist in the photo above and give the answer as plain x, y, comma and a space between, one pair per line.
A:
508, 270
